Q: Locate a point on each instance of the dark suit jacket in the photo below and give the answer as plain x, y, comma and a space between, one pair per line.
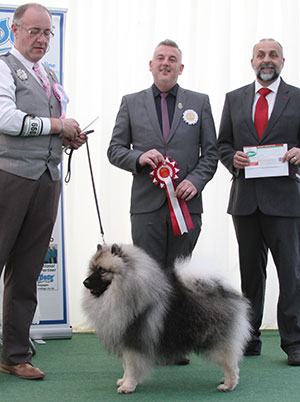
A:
279, 196
193, 147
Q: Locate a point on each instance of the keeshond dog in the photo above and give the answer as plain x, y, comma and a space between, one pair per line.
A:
148, 317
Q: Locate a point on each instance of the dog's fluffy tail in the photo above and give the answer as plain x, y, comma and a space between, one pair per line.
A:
189, 273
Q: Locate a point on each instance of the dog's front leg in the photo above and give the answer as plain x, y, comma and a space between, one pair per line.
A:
128, 383
136, 367
121, 380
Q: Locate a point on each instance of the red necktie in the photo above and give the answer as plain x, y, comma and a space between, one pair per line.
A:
261, 112
44, 80
165, 115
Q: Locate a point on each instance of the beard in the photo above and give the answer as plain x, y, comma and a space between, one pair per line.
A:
270, 75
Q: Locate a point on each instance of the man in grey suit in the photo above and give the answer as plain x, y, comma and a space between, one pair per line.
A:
138, 146
31, 139
266, 210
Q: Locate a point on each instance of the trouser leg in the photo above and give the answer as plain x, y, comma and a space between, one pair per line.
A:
253, 253
283, 237
24, 263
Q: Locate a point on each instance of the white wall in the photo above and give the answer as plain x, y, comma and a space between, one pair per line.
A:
107, 50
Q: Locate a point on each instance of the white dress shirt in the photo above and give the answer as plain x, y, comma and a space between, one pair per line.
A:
11, 118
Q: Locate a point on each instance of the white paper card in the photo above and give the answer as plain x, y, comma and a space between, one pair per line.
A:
266, 161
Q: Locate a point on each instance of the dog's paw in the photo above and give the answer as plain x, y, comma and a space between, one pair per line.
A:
126, 389
225, 388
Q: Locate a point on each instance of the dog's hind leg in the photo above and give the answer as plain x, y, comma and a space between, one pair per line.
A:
136, 367
228, 360
232, 353
231, 377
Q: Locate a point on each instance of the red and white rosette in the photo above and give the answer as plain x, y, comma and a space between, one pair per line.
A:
164, 176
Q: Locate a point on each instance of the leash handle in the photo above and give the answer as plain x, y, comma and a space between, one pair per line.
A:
68, 174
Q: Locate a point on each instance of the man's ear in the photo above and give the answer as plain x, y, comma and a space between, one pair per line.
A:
14, 29
150, 65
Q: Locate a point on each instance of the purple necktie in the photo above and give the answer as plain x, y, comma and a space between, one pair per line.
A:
44, 80
261, 112
165, 116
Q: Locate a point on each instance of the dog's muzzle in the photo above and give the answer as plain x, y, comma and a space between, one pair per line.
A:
96, 289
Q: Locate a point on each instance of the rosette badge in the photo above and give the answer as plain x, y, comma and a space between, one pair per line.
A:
62, 97
165, 171
164, 175
190, 117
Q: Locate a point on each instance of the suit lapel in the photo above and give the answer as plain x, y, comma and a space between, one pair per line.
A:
281, 101
180, 99
152, 113
247, 103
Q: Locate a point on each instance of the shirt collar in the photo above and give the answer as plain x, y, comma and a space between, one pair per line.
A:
28, 64
273, 87
172, 91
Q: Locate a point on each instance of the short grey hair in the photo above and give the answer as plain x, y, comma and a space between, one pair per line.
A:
20, 11
169, 42
267, 39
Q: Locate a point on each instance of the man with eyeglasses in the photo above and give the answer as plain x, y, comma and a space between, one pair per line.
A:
31, 139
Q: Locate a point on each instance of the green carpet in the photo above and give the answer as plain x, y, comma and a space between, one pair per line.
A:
78, 369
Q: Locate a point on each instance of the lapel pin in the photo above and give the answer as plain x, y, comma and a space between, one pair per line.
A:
22, 74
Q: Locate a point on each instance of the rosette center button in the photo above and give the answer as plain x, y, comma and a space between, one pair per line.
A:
164, 172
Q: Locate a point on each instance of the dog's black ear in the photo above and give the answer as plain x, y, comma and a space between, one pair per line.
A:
99, 247
115, 249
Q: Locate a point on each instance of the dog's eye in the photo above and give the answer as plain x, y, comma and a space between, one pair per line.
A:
101, 271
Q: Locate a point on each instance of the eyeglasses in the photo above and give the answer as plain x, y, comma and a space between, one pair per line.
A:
37, 32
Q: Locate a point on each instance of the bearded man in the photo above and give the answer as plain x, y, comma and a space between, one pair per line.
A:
265, 205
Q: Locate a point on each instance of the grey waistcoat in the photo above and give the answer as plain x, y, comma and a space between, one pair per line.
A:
30, 156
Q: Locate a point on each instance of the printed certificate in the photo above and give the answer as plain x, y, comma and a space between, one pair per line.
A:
266, 161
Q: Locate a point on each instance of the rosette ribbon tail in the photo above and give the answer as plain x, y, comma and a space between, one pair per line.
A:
180, 216
186, 214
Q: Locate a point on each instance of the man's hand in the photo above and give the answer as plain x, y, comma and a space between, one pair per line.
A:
152, 158
77, 142
186, 190
240, 160
292, 156
71, 129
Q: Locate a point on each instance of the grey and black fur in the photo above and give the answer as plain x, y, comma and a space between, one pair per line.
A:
147, 317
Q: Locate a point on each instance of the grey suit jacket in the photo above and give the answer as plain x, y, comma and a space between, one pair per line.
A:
193, 147
279, 196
